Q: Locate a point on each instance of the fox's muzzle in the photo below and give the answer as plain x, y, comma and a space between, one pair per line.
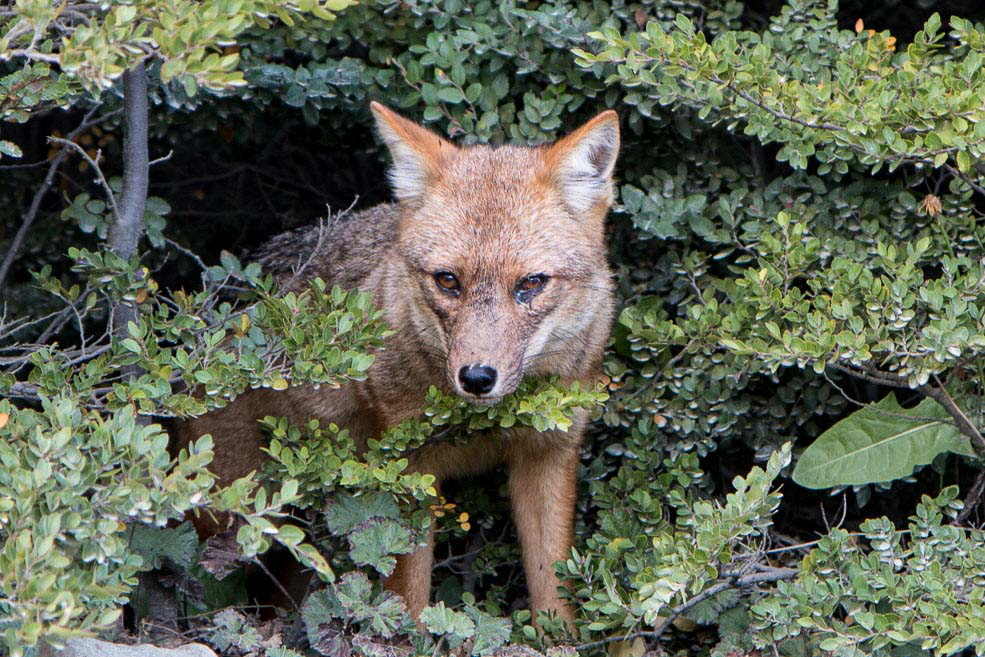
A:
477, 380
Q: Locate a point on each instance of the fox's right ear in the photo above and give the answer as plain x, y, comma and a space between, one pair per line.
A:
582, 162
417, 152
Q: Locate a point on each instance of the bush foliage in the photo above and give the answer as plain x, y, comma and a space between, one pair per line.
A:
800, 253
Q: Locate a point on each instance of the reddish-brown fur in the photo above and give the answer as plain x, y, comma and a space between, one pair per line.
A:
491, 217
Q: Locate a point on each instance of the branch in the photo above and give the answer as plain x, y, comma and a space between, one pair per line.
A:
966, 178
884, 380
939, 394
771, 575
31, 54
783, 116
972, 499
23, 391
280, 587
96, 169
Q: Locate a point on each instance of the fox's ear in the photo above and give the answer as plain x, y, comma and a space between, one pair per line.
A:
417, 152
582, 162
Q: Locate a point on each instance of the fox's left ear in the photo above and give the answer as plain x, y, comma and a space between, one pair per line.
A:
418, 154
582, 162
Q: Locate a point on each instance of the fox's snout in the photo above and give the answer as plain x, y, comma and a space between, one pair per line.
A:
477, 380
485, 362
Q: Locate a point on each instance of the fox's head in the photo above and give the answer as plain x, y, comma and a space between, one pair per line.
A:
505, 251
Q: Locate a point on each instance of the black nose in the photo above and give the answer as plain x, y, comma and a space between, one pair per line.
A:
477, 379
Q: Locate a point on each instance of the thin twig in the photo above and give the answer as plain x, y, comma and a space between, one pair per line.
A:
161, 159
972, 499
94, 163
323, 229
25, 165
32, 212
187, 252
280, 587
967, 179
880, 411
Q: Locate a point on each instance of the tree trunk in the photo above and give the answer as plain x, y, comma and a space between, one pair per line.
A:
128, 226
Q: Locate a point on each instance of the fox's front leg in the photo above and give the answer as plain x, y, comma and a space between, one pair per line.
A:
543, 487
411, 579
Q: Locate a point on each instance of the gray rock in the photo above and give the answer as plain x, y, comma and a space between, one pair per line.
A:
97, 648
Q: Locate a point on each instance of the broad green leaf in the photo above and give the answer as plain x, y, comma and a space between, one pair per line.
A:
384, 612
880, 442
156, 543
964, 162
374, 541
441, 620
490, 632
346, 512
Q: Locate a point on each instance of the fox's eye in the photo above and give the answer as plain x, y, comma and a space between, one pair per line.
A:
532, 283
530, 286
447, 281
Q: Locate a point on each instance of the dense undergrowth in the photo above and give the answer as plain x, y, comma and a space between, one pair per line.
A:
799, 235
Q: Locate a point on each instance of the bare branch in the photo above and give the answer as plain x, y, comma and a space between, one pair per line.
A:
879, 379
187, 252
160, 160
965, 426
280, 587
30, 53
23, 391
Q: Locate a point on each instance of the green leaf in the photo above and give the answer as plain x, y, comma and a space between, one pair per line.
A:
170, 68
441, 620
881, 442
9, 148
346, 512
964, 162
450, 95
384, 613
155, 544
373, 543
490, 632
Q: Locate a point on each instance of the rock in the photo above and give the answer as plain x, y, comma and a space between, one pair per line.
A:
97, 648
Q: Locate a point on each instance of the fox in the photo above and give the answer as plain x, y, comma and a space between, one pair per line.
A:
490, 266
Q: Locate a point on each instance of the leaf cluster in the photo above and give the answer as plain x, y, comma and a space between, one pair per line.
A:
883, 589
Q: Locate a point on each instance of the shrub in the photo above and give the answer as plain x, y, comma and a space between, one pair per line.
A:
798, 237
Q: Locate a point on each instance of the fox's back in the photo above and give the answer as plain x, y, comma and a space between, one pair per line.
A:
342, 250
